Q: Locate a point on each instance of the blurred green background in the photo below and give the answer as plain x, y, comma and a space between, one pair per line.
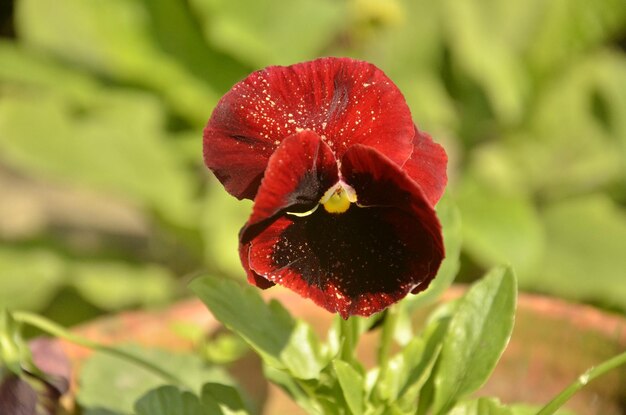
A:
105, 203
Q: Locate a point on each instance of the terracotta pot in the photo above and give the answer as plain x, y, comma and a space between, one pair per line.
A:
553, 342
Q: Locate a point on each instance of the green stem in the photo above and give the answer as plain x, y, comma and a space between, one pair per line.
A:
582, 380
58, 331
386, 337
349, 334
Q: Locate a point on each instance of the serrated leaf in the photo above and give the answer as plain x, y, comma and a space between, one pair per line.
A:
477, 335
351, 382
168, 400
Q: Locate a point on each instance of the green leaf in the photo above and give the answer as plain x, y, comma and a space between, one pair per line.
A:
477, 35
179, 35
114, 384
270, 32
351, 382
168, 400
115, 144
303, 353
390, 42
477, 335
115, 285
481, 406
292, 388
566, 29
571, 145
226, 397
29, 278
269, 329
417, 362
114, 39
14, 352
243, 311
500, 227
586, 236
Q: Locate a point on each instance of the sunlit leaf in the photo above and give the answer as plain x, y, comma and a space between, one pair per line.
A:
113, 38
477, 335
586, 258
351, 383
270, 32
268, 328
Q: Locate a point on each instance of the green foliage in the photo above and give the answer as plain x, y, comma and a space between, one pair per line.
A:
477, 335
112, 384
283, 342
451, 358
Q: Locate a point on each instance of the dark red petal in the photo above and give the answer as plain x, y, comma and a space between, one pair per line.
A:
253, 278
427, 166
379, 182
345, 101
355, 263
362, 260
298, 174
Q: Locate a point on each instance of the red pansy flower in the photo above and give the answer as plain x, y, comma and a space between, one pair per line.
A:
343, 183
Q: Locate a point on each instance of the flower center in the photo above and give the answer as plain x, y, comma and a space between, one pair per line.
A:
338, 198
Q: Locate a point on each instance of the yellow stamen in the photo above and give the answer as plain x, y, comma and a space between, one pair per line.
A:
338, 198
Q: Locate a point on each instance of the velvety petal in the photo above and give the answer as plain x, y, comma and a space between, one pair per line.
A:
427, 166
298, 174
355, 263
343, 100
253, 278
379, 182
362, 260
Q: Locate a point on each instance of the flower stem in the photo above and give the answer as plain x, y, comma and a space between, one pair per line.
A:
386, 337
597, 371
58, 331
